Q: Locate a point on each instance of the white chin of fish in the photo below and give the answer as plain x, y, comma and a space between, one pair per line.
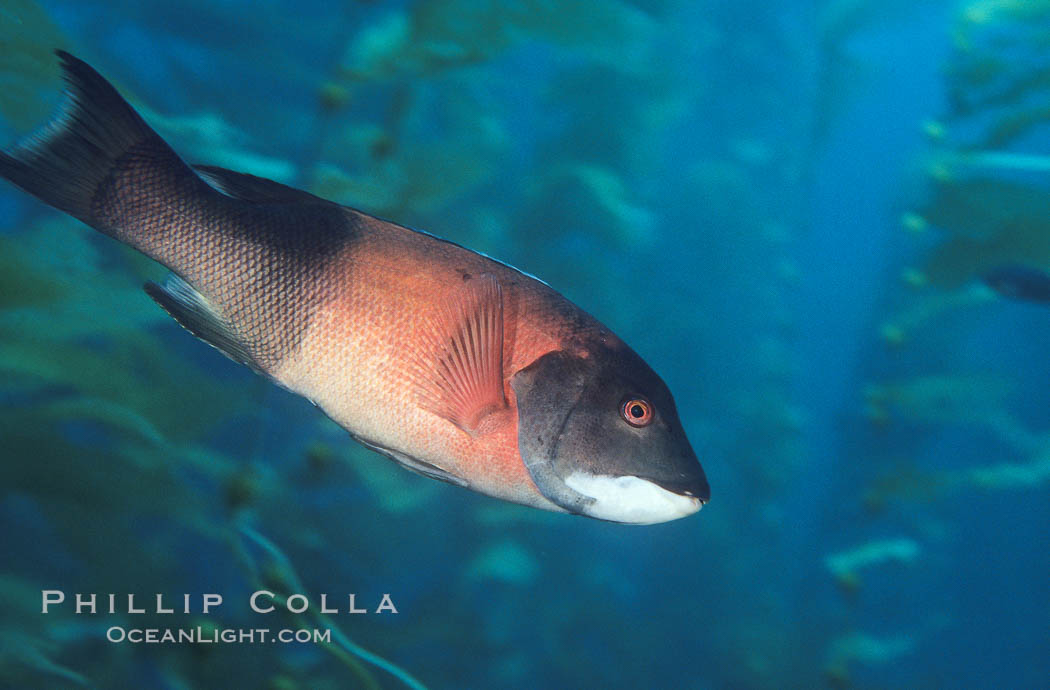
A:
630, 499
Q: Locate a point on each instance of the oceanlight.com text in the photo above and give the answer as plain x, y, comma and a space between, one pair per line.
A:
203, 635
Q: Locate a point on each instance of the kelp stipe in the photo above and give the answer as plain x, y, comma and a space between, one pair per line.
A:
269, 567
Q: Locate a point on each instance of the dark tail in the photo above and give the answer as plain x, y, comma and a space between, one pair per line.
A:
74, 163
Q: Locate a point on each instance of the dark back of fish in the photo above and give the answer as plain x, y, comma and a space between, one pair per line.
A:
255, 249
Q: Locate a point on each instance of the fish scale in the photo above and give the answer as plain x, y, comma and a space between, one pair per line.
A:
261, 265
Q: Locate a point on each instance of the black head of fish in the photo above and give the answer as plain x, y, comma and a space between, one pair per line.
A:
599, 433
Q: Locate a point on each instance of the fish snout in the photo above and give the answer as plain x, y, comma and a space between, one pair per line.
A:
691, 483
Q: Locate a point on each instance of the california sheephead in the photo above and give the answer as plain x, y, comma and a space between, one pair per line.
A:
450, 363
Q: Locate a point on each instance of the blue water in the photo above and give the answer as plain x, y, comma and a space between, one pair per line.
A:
735, 188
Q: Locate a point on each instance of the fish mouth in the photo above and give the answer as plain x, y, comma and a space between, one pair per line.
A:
697, 488
631, 500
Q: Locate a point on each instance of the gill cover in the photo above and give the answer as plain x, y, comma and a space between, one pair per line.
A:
581, 453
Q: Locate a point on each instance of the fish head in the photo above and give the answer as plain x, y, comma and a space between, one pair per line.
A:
600, 436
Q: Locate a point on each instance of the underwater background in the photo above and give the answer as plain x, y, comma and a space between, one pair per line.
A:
786, 207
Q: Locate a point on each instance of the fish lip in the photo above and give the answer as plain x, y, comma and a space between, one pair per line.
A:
696, 487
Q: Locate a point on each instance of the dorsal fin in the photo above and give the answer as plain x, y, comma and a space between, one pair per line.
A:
460, 367
259, 190
193, 312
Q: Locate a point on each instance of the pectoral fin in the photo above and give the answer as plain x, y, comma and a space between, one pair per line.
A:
194, 313
459, 369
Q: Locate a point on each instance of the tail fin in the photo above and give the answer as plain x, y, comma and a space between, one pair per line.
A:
66, 162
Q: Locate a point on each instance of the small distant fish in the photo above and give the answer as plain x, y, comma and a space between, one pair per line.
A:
1020, 282
452, 364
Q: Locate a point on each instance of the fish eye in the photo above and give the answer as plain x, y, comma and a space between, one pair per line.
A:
636, 411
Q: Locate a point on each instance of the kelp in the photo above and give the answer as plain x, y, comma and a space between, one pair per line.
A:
863, 648
29, 75
986, 193
117, 421
417, 128
943, 398
600, 196
841, 75
270, 568
74, 325
927, 307
657, 102
999, 60
420, 182
103, 422
31, 646
840, 20
207, 138
911, 484
407, 171
61, 268
846, 566
437, 35
506, 562
64, 464
984, 205
1009, 475
388, 486
398, 168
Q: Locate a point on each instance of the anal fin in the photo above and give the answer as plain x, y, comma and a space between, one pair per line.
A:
193, 312
459, 369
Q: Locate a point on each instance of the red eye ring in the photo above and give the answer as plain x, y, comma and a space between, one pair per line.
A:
636, 411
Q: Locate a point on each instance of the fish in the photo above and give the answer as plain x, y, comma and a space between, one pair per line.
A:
452, 364
1020, 282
